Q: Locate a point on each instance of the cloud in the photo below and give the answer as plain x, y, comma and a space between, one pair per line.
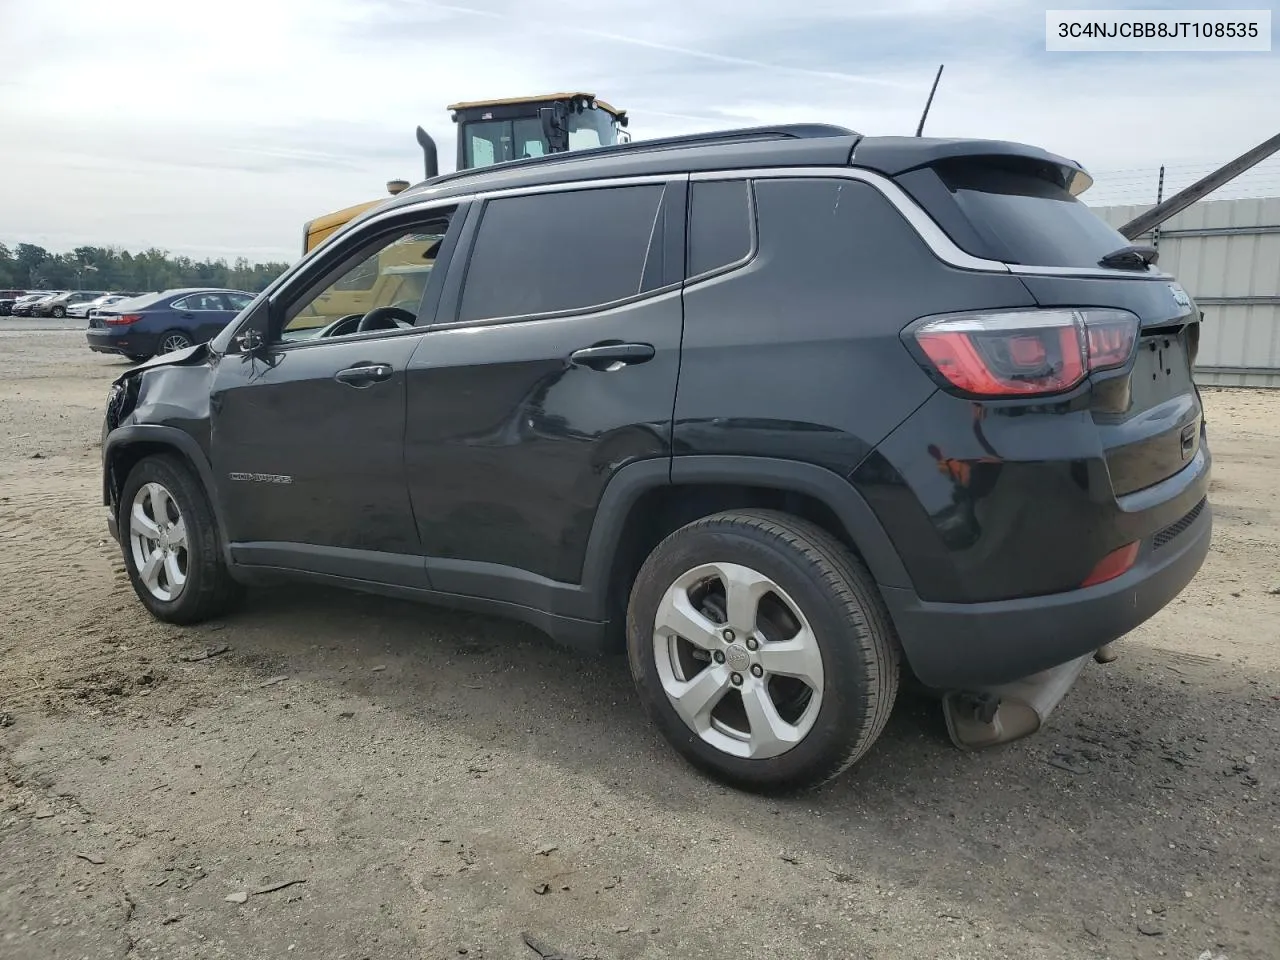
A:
164, 124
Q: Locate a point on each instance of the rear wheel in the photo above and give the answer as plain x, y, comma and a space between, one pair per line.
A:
170, 543
762, 650
174, 340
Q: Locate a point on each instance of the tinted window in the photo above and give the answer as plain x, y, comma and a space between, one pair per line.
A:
559, 251
1026, 218
237, 301
719, 224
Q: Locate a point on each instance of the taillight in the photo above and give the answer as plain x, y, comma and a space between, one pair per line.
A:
1024, 352
123, 320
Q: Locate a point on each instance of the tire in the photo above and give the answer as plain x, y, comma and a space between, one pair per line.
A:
208, 589
802, 575
172, 340
58, 312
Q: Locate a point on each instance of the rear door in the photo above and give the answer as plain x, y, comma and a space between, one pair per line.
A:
551, 365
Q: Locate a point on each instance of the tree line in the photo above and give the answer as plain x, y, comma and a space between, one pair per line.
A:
31, 267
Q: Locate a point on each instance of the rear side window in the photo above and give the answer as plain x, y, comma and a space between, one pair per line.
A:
553, 252
720, 227
1023, 217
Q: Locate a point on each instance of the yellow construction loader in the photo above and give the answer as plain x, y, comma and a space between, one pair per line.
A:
494, 131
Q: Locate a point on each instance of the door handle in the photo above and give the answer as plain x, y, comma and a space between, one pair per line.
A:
608, 357
364, 374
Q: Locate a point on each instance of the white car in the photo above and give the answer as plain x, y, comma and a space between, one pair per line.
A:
83, 309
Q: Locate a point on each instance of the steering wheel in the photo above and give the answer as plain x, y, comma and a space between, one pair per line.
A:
340, 327
386, 318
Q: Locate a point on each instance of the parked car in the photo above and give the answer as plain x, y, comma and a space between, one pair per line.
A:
7, 300
84, 308
25, 306
58, 306
156, 323
784, 418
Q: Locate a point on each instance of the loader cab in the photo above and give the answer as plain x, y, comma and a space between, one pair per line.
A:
495, 131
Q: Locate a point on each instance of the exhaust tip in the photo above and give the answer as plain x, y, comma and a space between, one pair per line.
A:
980, 719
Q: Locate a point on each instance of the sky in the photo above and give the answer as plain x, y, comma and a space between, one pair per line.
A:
219, 129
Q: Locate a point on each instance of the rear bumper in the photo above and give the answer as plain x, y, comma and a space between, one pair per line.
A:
101, 340
969, 645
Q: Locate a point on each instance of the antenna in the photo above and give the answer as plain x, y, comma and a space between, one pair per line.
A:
929, 102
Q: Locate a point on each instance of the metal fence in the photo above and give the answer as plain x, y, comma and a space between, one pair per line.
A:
1226, 254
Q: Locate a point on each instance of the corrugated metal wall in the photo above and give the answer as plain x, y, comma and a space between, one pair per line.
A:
1226, 254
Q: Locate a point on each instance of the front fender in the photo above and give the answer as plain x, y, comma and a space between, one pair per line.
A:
156, 438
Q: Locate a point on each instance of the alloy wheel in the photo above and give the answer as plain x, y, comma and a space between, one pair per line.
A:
174, 341
738, 660
158, 540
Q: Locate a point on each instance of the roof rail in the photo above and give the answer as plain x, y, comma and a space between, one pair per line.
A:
784, 131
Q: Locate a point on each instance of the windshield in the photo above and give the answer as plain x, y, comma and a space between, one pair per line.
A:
592, 128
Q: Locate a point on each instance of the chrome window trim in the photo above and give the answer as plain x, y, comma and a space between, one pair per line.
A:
657, 293
639, 296
754, 249
942, 246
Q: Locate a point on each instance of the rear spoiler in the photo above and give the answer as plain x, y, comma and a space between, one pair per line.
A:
893, 156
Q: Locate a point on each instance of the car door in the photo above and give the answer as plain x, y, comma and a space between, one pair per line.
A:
307, 430
549, 367
201, 315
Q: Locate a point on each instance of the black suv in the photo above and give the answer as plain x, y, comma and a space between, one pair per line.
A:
793, 411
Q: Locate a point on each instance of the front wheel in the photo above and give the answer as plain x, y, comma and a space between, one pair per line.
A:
762, 650
170, 543
58, 312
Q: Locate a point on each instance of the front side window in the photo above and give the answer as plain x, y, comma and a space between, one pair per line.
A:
555, 252
389, 277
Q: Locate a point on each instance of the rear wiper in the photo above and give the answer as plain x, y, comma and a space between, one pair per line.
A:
1130, 258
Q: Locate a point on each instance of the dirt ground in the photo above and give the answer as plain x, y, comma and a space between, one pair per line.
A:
433, 785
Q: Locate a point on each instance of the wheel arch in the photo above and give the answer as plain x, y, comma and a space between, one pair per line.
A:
126, 446
637, 506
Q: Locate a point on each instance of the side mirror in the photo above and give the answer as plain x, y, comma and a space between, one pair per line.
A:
250, 342
555, 127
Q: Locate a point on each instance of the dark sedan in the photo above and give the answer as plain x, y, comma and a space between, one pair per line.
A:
157, 323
